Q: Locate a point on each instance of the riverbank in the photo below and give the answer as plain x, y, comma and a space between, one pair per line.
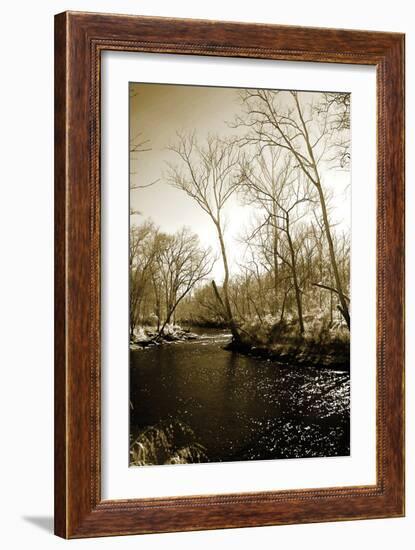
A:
288, 348
145, 337
322, 345
333, 355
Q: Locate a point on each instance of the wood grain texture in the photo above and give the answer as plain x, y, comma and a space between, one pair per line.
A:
60, 277
79, 40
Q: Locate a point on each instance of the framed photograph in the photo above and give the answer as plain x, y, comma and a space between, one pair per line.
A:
229, 275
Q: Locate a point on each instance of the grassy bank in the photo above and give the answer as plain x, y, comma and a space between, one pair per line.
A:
323, 345
169, 442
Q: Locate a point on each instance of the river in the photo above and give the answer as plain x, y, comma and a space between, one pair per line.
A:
239, 407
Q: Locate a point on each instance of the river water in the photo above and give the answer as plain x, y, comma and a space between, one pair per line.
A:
239, 407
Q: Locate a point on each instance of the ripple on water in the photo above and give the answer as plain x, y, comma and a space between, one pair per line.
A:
240, 407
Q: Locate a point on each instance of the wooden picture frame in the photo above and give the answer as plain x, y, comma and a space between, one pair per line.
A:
79, 40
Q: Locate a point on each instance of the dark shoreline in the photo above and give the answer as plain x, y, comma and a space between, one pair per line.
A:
325, 356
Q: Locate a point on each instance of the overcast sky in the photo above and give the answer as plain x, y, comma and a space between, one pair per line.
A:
157, 112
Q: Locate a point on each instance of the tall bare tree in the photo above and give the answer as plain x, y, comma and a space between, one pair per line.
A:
207, 174
271, 181
308, 135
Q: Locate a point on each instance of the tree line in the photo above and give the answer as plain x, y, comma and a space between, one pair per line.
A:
285, 148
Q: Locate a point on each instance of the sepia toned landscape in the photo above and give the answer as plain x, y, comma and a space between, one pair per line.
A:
239, 270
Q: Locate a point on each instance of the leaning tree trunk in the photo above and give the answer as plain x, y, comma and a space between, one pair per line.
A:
225, 303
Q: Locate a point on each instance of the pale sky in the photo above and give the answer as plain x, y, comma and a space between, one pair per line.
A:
157, 112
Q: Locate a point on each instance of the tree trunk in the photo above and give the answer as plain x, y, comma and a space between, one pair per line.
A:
283, 306
225, 286
157, 300
166, 322
343, 302
275, 259
295, 279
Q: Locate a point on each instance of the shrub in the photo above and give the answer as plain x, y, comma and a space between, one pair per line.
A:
170, 442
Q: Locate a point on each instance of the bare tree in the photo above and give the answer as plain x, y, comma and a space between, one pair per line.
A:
181, 264
336, 107
307, 135
143, 248
265, 169
137, 145
203, 307
207, 175
281, 191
